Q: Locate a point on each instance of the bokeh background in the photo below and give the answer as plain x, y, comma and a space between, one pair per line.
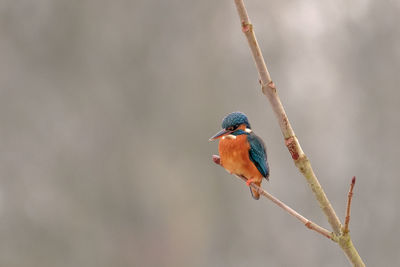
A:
106, 108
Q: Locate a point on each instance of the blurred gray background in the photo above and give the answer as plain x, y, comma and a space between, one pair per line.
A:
106, 108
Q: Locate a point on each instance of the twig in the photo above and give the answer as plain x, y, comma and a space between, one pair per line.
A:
349, 197
291, 142
309, 224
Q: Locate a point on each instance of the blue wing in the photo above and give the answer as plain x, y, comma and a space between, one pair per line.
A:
258, 155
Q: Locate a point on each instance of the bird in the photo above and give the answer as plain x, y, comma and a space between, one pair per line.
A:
241, 151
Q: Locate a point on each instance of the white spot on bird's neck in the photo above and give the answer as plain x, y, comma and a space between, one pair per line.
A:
247, 130
229, 136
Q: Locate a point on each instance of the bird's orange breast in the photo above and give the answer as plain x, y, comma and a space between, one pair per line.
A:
234, 155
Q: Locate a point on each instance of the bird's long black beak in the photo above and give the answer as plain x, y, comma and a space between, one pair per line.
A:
219, 134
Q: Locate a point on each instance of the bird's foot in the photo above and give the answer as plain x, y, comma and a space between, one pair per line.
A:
249, 181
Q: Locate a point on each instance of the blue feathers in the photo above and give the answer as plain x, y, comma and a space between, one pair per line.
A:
235, 119
258, 154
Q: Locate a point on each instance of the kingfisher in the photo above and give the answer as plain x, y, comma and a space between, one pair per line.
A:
241, 151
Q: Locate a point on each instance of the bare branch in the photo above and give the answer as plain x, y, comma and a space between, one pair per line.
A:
349, 197
309, 224
269, 89
300, 159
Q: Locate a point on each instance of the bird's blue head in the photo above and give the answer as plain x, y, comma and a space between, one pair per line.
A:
231, 122
234, 120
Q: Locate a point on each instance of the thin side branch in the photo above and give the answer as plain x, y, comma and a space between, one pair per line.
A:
309, 224
349, 197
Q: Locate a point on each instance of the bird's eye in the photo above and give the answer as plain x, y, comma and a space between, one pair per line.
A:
232, 128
